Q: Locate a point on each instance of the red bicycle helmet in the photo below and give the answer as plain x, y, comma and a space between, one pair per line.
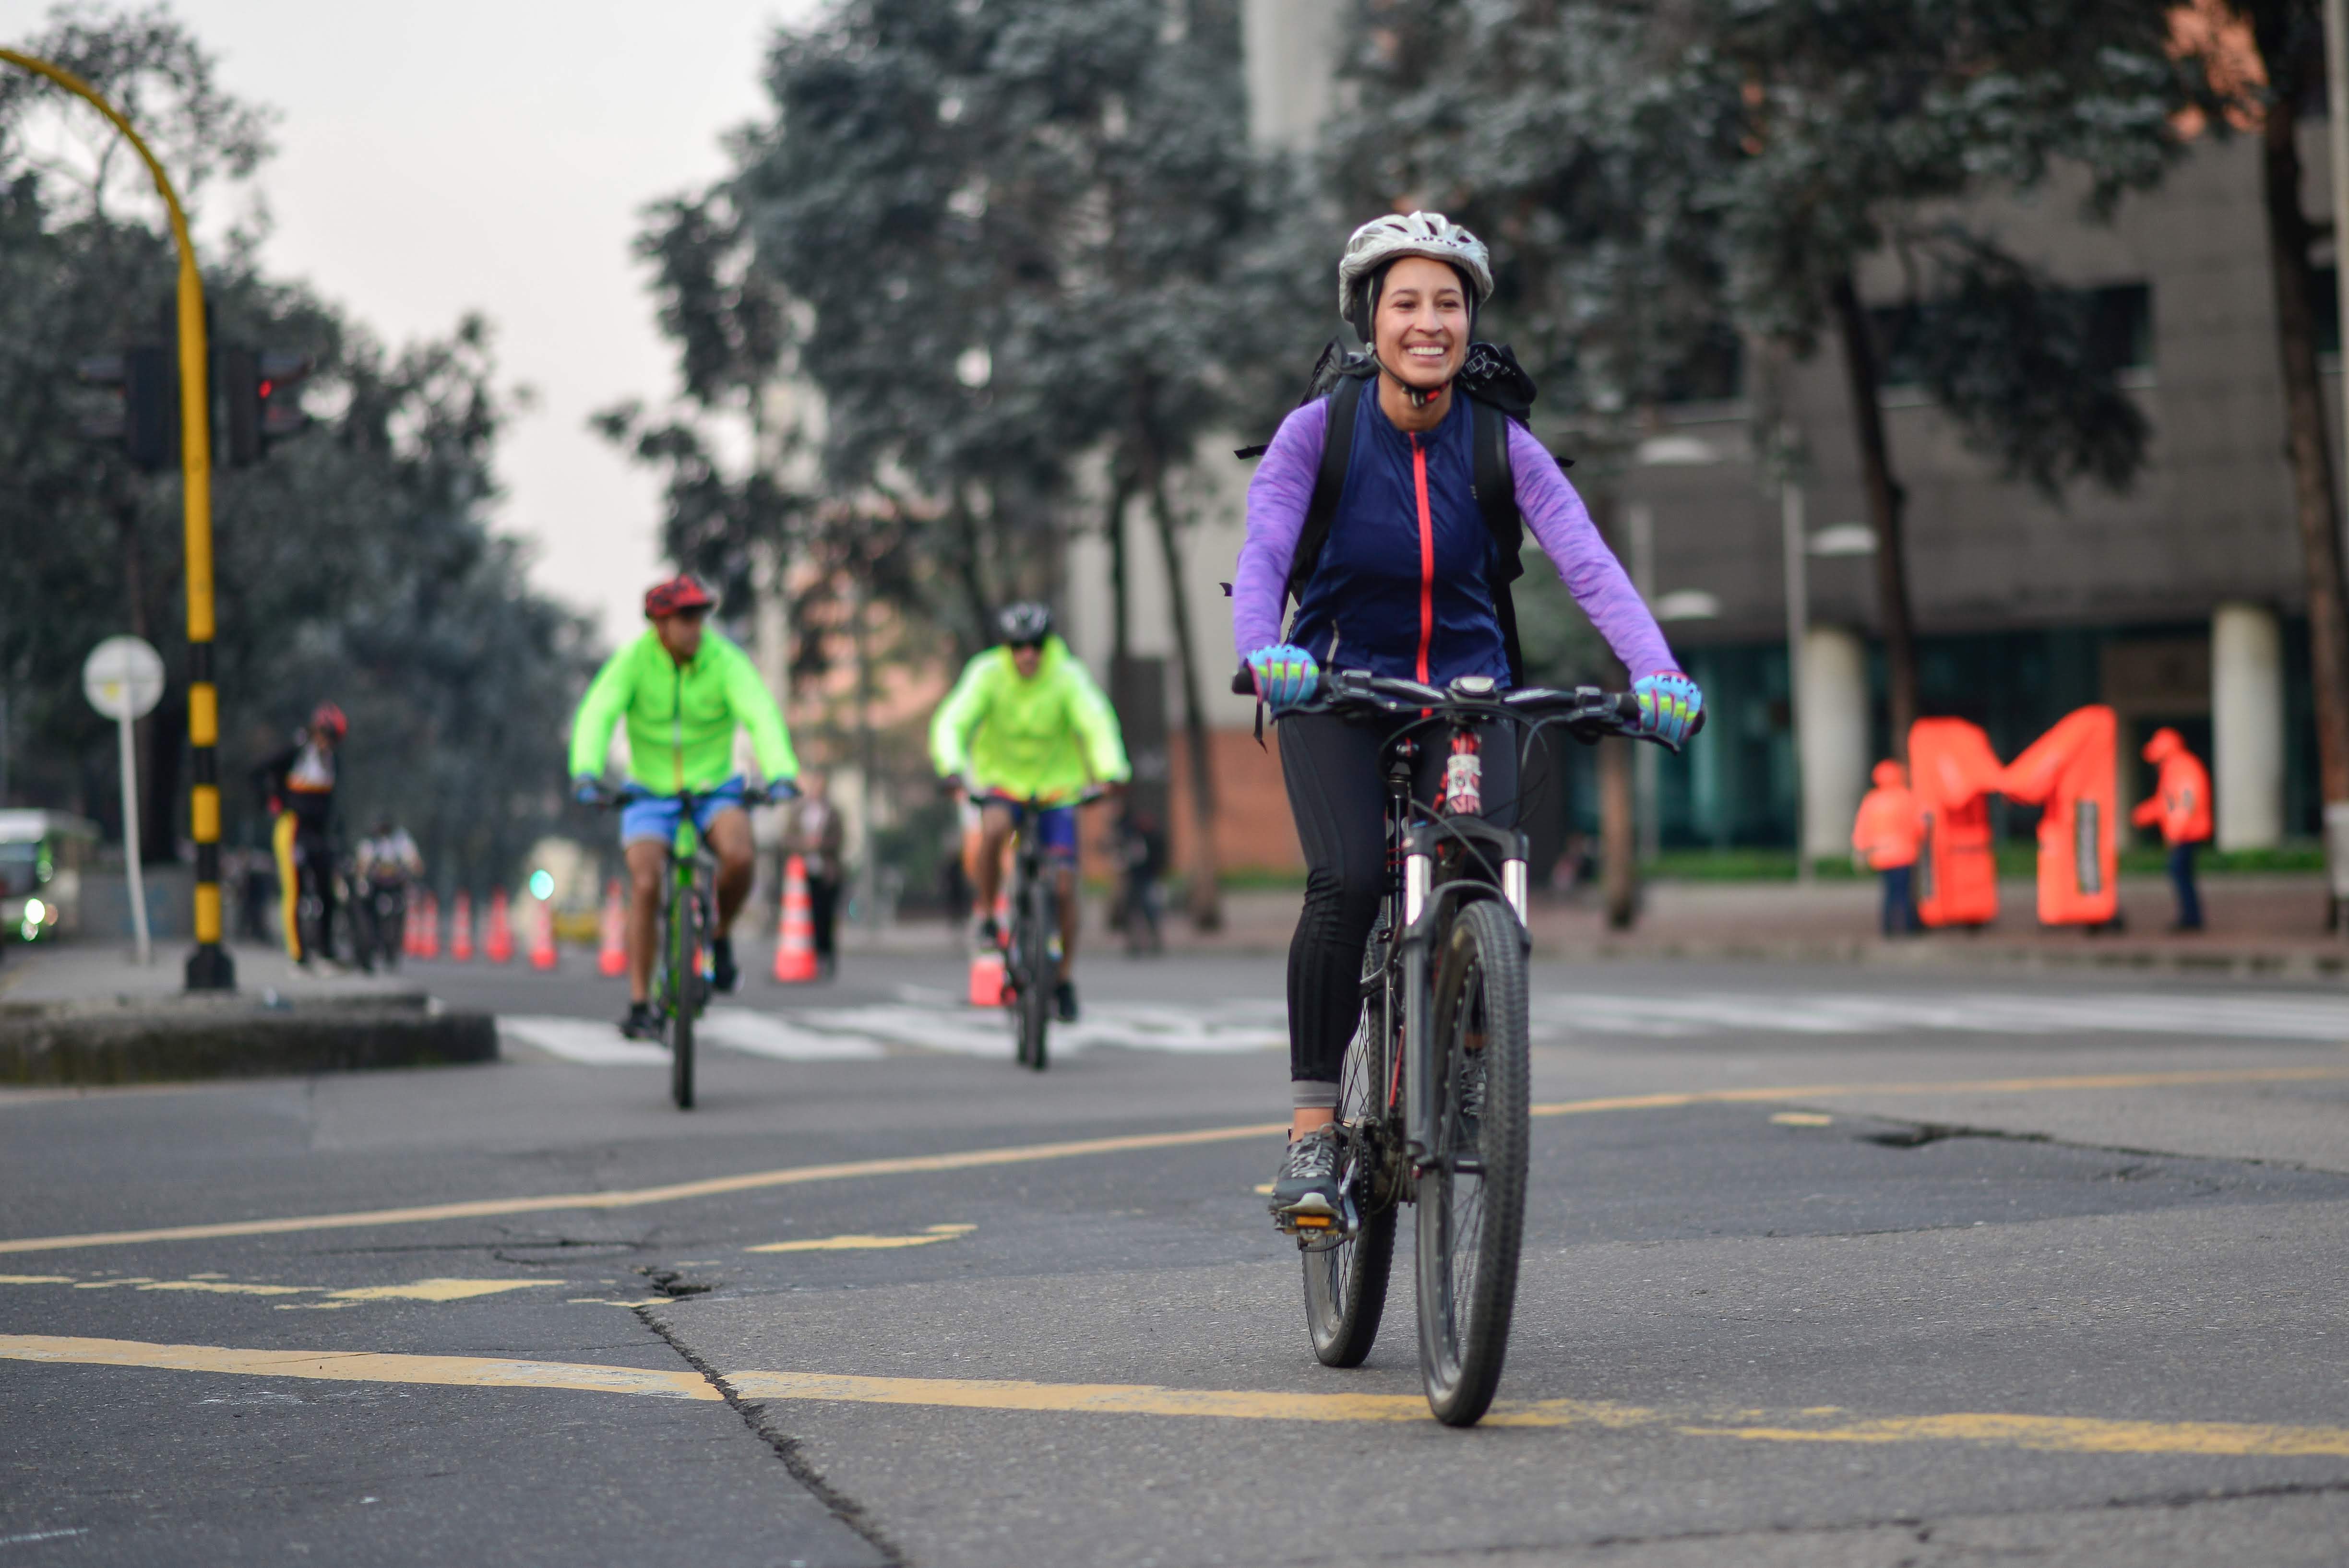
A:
679, 593
329, 717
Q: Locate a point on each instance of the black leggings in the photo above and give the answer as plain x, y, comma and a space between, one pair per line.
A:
1336, 791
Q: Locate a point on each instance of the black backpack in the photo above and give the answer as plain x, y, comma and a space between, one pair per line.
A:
1498, 391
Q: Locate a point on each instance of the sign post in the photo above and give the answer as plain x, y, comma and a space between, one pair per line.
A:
123, 678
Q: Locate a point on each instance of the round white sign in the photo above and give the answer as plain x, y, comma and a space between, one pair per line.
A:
123, 677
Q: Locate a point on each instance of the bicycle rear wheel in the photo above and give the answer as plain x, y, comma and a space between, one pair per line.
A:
683, 950
1472, 1196
1346, 1283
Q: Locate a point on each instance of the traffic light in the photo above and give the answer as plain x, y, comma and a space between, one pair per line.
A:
146, 419
261, 389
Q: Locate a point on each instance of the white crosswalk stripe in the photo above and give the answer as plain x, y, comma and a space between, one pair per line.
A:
931, 1022
847, 1034
2302, 1018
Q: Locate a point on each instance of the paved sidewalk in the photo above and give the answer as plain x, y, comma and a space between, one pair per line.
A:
106, 973
2257, 924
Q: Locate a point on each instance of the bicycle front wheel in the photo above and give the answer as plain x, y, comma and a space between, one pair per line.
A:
1032, 958
1472, 1195
1346, 1283
683, 954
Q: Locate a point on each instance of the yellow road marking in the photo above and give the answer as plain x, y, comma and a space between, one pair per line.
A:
865, 1244
979, 1159
37, 1279
1958, 1086
359, 1366
1801, 1118
220, 1287
714, 1187
1817, 1424
438, 1289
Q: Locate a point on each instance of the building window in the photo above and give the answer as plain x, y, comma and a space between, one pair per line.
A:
1713, 371
2119, 320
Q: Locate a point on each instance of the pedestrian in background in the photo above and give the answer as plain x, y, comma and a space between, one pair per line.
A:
2181, 804
1886, 838
813, 831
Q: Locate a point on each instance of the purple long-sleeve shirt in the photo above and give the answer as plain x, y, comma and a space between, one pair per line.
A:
1283, 488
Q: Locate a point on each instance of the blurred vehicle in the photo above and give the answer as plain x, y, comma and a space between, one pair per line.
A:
42, 854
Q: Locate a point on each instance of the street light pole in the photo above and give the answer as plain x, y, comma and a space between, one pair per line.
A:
210, 968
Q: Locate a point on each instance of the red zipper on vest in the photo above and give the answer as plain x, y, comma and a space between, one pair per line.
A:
1426, 553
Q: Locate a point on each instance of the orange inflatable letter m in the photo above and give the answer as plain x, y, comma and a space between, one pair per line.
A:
1954, 772
2069, 773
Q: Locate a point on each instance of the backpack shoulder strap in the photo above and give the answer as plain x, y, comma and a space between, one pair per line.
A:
1494, 482
1329, 482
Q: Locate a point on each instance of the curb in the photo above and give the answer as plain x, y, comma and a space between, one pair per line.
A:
233, 1037
2268, 963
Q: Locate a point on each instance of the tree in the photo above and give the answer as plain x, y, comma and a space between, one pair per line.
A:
355, 564
1007, 226
2263, 59
1853, 117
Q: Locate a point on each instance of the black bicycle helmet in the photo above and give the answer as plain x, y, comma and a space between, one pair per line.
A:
1026, 621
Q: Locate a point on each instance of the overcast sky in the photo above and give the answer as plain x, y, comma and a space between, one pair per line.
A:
440, 156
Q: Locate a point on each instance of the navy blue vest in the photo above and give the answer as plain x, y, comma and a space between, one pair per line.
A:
1362, 607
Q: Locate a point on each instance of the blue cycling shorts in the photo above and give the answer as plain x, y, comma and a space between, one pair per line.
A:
648, 816
1055, 827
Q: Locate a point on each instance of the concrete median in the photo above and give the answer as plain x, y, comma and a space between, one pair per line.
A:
146, 1040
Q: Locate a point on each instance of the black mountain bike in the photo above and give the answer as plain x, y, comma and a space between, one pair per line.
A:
688, 918
1032, 959
1432, 1098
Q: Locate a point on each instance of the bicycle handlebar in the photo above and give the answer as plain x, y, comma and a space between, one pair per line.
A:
1586, 710
607, 799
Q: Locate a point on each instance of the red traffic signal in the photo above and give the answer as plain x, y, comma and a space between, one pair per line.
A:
261, 389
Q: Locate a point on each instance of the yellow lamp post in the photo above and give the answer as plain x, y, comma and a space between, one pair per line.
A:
210, 968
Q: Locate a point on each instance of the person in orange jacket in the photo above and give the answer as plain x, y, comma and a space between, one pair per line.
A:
1887, 835
2181, 804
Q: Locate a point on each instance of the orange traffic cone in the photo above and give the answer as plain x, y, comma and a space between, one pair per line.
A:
795, 938
429, 939
612, 939
497, 942
986, 964
542, 936
460, 929
412, 930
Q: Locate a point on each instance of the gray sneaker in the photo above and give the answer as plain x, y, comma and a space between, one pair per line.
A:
1305, 1195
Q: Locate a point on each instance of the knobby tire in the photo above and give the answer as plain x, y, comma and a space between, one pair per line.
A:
1472, 1223
684, 950
1346, 1284
1034, 999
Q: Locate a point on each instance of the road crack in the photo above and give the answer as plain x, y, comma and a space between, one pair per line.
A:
788, 1448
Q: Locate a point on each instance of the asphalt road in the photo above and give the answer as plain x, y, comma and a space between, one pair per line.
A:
1824, 1267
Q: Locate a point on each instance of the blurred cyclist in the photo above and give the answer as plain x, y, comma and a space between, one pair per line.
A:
1025, 723
298, 784
683, 690
383, 865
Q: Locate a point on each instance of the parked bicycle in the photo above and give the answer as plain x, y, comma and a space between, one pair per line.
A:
1031, 959
689, 913
1432, 1098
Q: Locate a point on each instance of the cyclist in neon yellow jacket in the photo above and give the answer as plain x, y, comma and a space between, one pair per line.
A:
682, 691
1026, 726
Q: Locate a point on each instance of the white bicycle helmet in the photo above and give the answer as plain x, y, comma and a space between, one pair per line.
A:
1383, 240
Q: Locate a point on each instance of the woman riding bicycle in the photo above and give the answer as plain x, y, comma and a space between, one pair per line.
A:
1403, 586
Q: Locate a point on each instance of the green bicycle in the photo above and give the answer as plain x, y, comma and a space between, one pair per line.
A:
689, 915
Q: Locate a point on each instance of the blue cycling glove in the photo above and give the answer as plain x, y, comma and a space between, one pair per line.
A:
587, 791
1671, 708
1284, 675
